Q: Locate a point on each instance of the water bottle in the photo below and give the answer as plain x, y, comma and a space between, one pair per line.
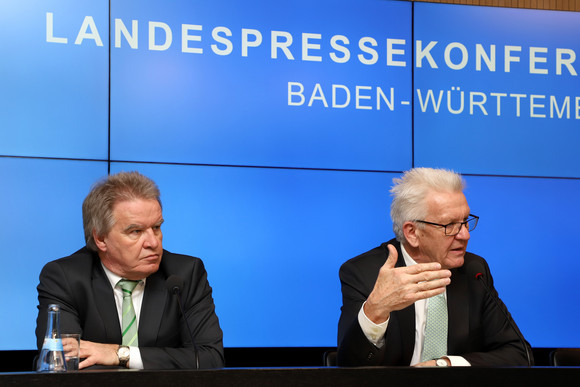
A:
51, 357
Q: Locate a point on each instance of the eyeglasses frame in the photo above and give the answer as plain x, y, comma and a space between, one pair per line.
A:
464, 223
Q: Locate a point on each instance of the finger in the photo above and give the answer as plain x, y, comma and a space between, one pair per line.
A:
86, 363
431, 275
433, 284
70, 351
428, 363
421, 267
85, 352
423, 295
392, 258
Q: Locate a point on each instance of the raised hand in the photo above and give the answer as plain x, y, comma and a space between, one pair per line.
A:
397, 288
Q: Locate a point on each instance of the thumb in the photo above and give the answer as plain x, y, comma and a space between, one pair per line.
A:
392, 258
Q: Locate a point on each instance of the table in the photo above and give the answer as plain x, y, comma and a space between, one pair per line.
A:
292, 377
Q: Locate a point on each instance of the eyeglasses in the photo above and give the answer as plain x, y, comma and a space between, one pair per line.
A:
453, 229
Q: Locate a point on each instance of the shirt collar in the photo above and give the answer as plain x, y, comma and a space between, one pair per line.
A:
114, 278
408, 260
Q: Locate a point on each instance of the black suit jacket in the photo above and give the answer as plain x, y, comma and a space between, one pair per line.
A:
80, 286
478, 330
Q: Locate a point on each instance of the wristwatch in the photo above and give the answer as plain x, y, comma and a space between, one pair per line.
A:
123, 353
441, 362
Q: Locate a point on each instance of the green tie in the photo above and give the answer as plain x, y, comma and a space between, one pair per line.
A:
435, 342
129, 323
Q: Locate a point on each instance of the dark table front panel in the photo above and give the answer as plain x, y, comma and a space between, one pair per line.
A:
292, 377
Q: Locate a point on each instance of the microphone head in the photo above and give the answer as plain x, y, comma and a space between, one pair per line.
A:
474, 269
174, 283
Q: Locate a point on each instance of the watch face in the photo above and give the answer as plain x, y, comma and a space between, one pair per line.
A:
441, 363
123, 352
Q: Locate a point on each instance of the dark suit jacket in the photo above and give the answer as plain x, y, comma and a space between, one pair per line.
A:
478, 330
80, 286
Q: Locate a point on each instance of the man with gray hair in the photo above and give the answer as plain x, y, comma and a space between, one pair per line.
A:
135, 304
415, 300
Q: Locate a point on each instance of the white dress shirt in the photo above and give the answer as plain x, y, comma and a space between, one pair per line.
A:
375, 333
135, 360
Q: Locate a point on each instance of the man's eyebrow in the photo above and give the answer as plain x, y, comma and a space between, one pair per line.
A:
132, 227
135, 226
455, 220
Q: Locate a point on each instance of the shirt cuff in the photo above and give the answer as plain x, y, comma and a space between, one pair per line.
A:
375, 333
135, 361
458, 361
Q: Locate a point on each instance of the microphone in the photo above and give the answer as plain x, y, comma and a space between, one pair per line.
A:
174, 284
476, 270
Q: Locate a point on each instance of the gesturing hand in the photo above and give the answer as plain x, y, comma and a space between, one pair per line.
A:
397, 288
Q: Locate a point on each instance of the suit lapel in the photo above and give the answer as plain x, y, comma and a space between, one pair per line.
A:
406, 319
407, 326
105, 302
458, 309
154, 301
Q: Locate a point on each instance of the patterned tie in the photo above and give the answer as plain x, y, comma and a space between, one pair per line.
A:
435, 342
129, 323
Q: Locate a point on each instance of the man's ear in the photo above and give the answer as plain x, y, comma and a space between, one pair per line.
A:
410, 232
100, 241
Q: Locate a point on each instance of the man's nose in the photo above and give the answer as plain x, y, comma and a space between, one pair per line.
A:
151, 239
463, 232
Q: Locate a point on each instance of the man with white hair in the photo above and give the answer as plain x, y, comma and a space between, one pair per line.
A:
415, 299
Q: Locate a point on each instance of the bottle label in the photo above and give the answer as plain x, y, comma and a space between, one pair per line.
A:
52, 344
